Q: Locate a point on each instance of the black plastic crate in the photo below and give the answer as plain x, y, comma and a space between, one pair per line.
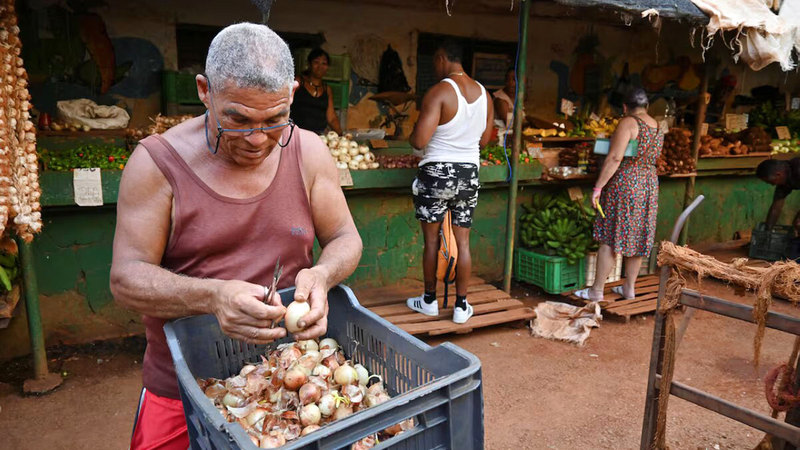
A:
770, 245
440, 387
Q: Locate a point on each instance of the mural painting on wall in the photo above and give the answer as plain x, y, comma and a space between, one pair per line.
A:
592, 82
69, 55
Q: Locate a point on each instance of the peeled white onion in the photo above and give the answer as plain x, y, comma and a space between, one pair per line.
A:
363, 374
294, 312
308, 345
345, 375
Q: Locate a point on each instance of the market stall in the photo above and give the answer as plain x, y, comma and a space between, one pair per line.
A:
76, 240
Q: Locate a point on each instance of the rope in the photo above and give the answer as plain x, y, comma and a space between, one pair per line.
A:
670, 301
779, 279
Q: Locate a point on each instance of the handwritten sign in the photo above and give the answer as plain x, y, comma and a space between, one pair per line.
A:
795, 103
87, 187
567, 107
783, 132
345, 179
534, 149
703, 129
735, 121
594, 116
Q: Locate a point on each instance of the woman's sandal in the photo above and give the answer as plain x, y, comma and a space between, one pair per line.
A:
621, 292
584, 294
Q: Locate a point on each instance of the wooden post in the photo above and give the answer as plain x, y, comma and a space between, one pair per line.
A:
525, 12
700, 118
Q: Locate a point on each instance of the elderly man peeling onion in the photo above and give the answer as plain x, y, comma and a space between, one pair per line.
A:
207, 208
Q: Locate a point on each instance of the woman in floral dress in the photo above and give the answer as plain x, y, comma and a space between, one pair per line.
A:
627, 190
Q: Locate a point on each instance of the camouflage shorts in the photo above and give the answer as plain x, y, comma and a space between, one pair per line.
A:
442, 186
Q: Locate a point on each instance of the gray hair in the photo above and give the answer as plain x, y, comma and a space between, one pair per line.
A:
249, 55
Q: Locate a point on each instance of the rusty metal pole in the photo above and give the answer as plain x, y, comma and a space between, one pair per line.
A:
522, 59
700, 118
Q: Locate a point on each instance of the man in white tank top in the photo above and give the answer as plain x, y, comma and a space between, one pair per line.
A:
454, 123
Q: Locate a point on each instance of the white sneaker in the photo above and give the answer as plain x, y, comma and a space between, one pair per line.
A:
461, 315
419, 305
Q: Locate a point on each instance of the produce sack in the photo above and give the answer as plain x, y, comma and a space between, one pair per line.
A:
448, 254
86, 112
563, 322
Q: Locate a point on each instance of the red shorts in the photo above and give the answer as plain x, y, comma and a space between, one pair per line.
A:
160, 424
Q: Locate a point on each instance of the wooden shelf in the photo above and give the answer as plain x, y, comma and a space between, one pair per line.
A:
559, 139
80, 134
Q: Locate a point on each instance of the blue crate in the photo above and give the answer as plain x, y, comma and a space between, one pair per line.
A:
441, 387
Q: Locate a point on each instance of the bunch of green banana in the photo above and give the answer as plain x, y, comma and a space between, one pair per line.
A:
8, 269
559, 226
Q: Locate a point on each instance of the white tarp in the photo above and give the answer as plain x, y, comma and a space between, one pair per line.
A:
563, 322
760, 37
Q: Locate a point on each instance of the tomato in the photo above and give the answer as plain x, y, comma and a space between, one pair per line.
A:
110, 159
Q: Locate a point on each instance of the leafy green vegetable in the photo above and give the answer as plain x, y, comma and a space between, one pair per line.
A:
84, 157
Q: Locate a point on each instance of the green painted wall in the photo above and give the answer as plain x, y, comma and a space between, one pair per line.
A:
73, 254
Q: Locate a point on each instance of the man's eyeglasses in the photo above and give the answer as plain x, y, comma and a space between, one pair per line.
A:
244, 131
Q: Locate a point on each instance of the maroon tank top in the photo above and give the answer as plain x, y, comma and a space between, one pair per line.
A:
227, 238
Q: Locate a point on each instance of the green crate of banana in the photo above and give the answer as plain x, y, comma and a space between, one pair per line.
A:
348, 153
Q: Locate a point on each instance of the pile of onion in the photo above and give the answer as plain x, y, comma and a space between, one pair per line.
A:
19, 172
296, 389
399, 161
348, 153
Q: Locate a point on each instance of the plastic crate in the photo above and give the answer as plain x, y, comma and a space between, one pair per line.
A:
770, 245
440, 387
551, 273
338, 69
180, 88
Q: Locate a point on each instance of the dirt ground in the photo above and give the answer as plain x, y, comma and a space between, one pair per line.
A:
538, 394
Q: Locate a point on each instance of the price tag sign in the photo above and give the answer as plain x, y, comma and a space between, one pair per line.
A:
87, 187
594, 116
534, 149
735, 121
345, 179
783, 133
795, 103
567, 107
703, 129
575, 193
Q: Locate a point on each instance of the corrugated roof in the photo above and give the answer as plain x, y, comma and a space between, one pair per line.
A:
683, 10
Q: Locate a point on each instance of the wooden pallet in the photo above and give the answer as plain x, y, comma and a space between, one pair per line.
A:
491, 307
645, 301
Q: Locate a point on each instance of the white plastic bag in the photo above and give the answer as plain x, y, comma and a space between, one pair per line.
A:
86, 112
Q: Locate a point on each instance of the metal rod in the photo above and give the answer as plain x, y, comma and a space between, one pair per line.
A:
519, 102
739, 311
731, 410
684, 217
700, 118
31, 291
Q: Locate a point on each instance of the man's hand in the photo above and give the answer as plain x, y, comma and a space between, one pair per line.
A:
243, 315
311, 285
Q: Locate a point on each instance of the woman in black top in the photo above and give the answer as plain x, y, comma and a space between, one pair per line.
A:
312, 107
